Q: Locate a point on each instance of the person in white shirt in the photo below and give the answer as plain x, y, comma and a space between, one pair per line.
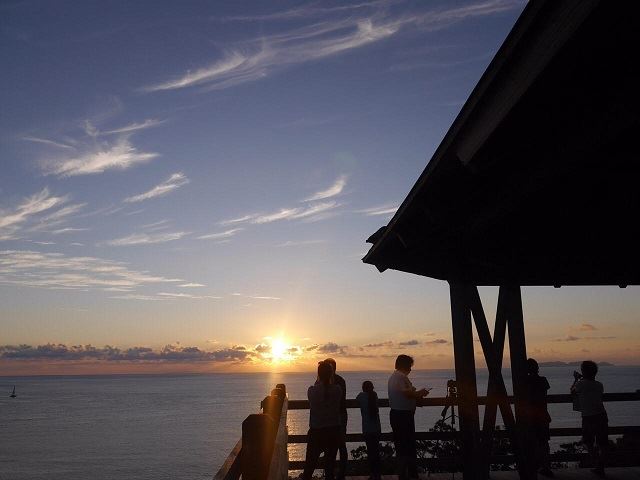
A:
595, 423
402, 401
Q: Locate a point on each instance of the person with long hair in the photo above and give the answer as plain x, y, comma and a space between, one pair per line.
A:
324, 422
368, 400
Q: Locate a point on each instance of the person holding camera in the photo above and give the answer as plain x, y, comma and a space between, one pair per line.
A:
595, 423
402, 400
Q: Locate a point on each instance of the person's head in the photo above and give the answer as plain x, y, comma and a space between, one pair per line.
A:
325, 372
589, 369
404, 363
367, 386
331, 362
532, 367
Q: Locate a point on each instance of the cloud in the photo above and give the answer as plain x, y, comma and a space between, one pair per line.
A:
220, 235
191, 285
187, 295
68, 230
299, 243
258, 297
437, 341
388, 343
172, 183
331, 347
332, 191
145, 239
295, 213
134, 127
302, 12
586, 327
262, 348
169, 353
409, 343
387, 209
568, 338
56, 270
12, 219
46, 141
244, 218
119, 155
266, 55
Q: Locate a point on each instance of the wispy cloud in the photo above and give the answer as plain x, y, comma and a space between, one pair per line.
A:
134, 127
299, 243
55, 270
242, 219
265, 55
191, 285
295, 213
220, 235
145, 239
68, 230
187, 295
118, 155
172, 183
332, 191
387, 209
12, 219
46, 141
305, 11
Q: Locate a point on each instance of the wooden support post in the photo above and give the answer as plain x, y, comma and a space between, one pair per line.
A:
466, 378
258, 434
518, 354
497, 391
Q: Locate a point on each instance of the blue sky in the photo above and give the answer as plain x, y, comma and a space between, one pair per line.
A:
206, 173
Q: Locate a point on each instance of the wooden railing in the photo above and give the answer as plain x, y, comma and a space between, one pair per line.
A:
261, 454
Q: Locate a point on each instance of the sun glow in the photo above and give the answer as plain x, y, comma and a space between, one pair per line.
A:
281, 350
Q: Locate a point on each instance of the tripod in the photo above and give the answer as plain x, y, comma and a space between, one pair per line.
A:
452, 393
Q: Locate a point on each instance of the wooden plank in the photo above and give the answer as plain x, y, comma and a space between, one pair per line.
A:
554, 432
482, 400
230, 469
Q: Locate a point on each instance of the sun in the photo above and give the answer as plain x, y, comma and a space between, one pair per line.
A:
279, 350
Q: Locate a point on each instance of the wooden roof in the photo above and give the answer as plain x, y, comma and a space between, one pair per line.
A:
537, 180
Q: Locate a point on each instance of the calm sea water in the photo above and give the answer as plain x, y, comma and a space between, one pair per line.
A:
183, 426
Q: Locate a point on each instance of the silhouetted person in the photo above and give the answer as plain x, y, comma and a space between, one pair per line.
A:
538, 417
402, 400
324, 422
595, 422
368, 400
342, 447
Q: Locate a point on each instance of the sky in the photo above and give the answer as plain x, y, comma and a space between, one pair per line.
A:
188, 186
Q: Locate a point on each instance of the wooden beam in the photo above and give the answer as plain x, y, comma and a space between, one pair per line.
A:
518, 355
496, 390
466, 379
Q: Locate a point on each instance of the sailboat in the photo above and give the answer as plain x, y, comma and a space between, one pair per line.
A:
13, 394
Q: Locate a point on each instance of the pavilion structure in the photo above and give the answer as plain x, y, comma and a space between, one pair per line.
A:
536, 183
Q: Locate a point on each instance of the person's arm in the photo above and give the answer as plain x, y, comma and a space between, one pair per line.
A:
411, 392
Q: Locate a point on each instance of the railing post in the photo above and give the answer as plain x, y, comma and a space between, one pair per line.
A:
258, 433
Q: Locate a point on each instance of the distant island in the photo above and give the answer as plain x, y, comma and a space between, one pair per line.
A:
572, 364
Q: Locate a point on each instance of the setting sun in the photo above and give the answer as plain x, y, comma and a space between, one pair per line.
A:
279, 350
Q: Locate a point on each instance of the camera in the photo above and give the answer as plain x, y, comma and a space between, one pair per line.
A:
577, 375
452, 388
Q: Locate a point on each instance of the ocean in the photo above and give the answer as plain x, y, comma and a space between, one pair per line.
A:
183, 426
